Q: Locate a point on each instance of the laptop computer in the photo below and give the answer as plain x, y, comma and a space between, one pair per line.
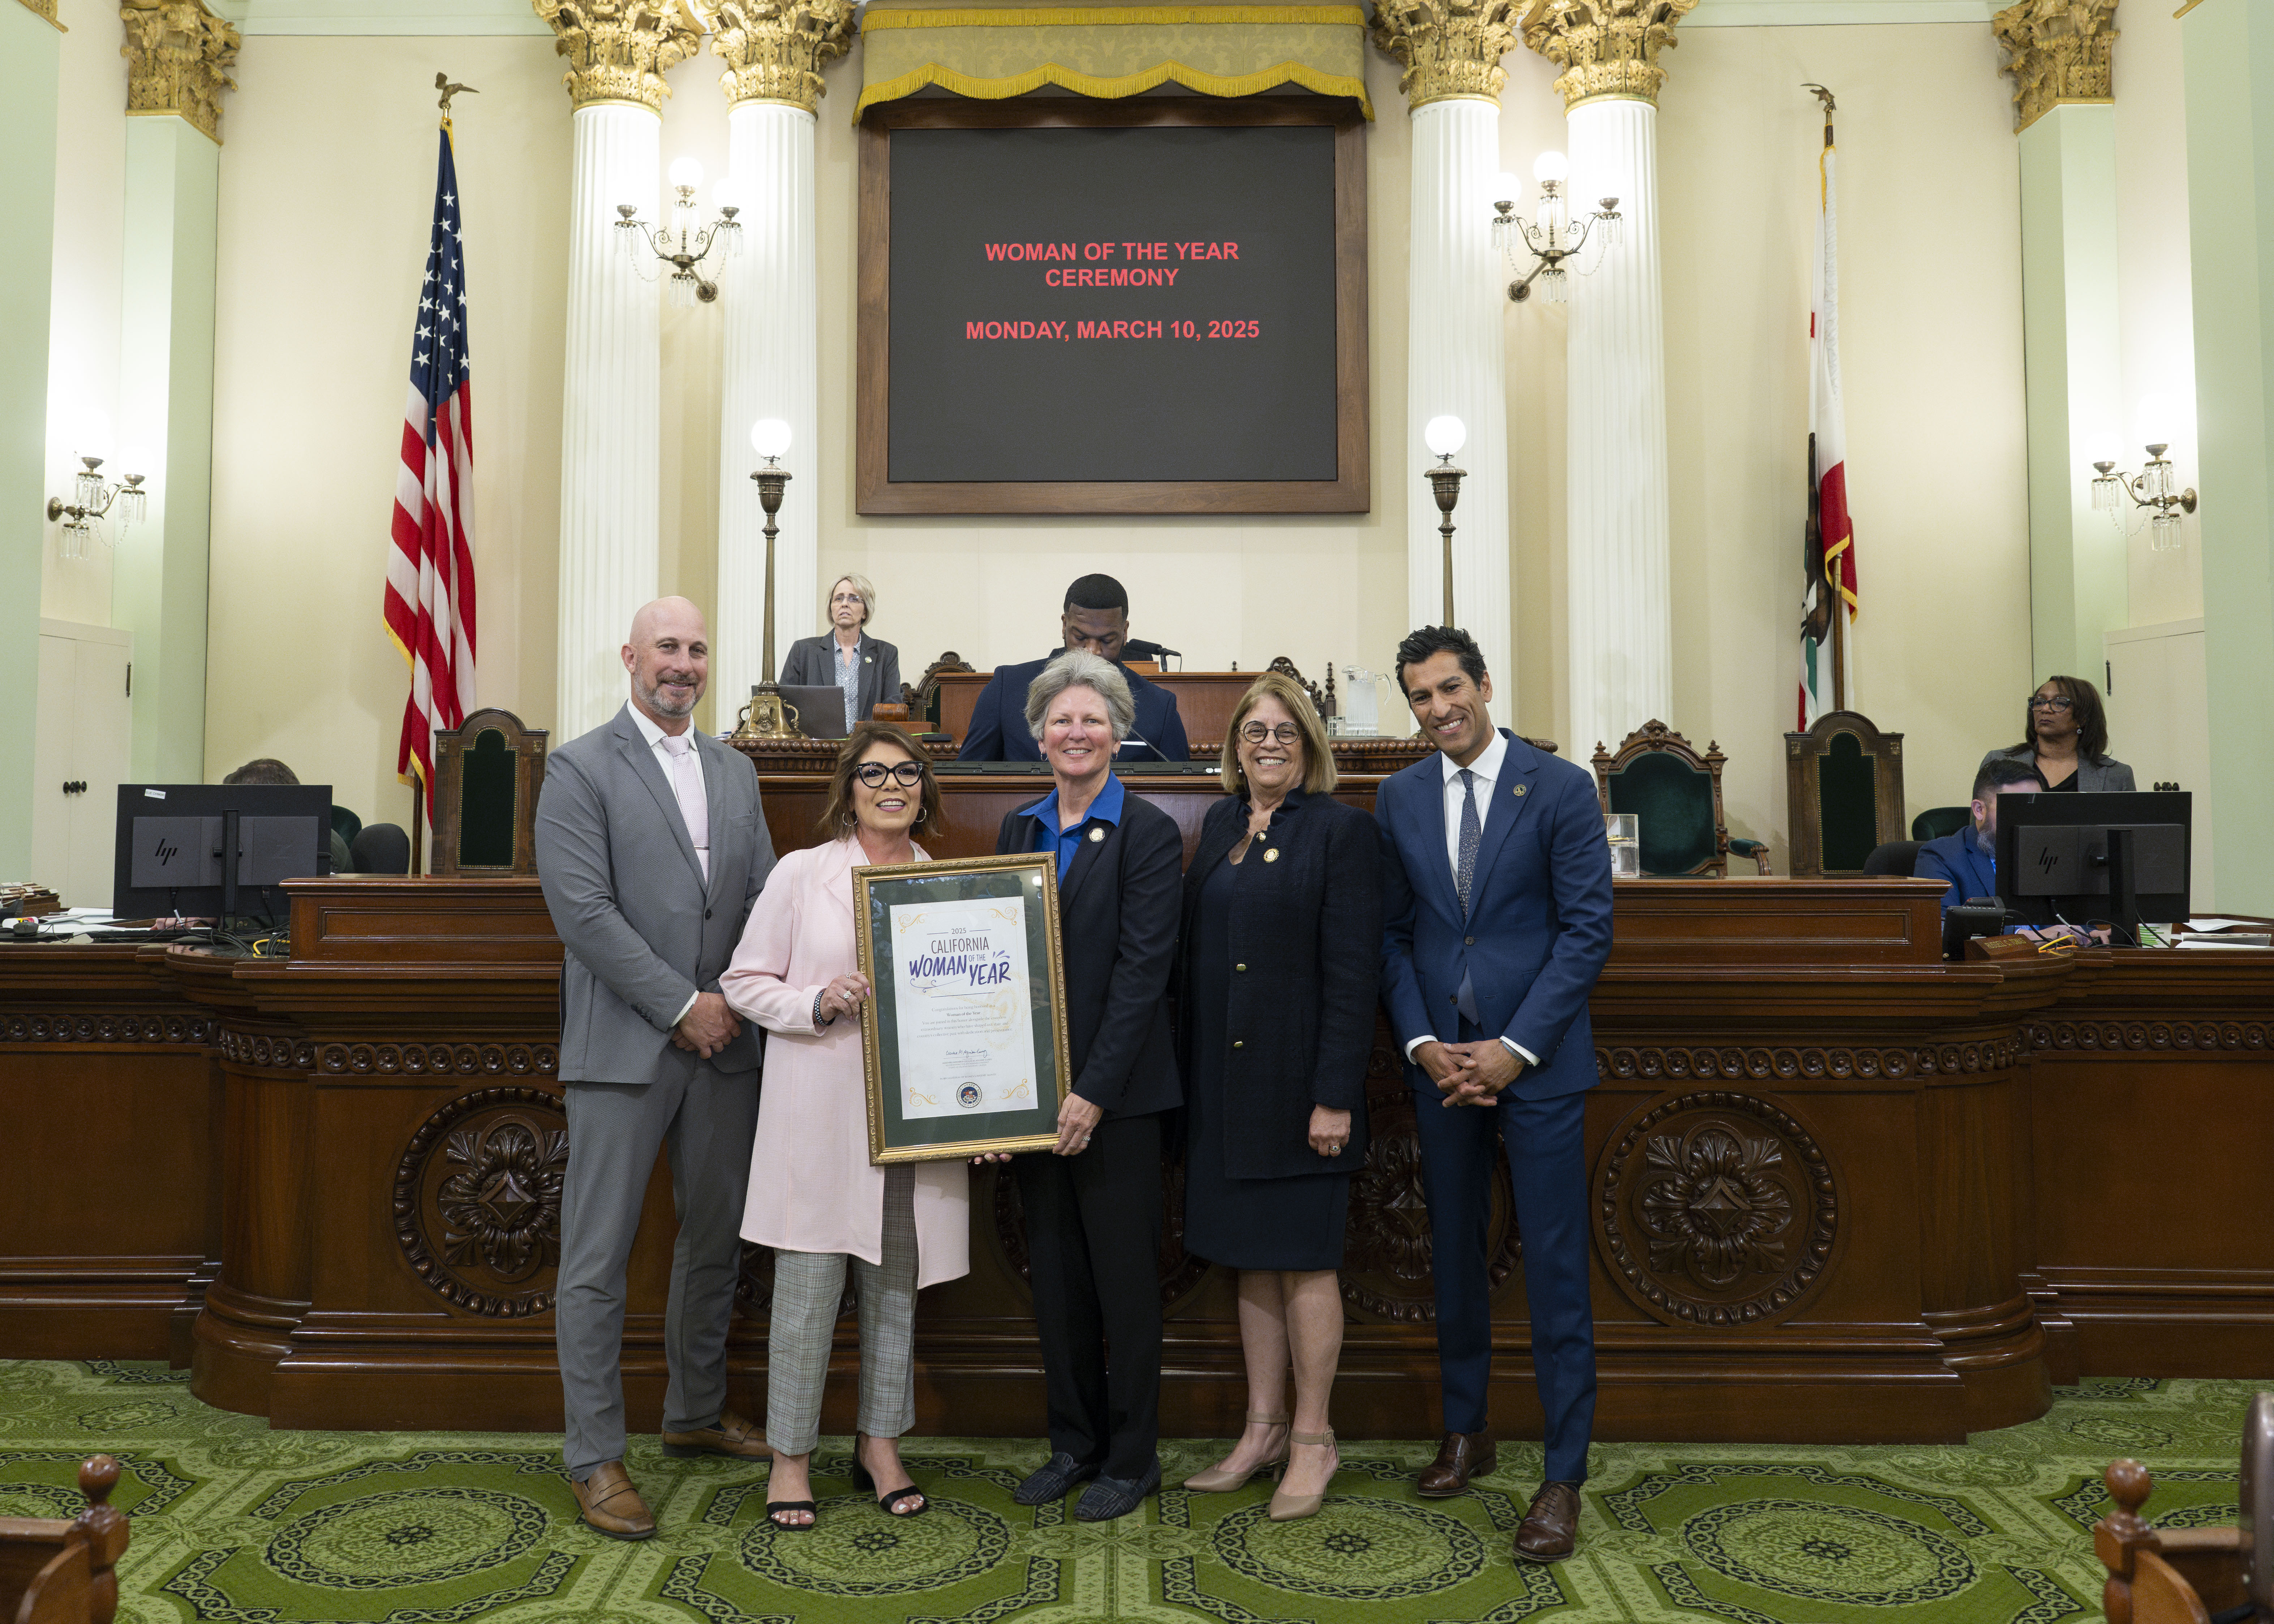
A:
820, 709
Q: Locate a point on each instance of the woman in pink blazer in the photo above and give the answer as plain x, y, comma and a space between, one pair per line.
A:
813, 1196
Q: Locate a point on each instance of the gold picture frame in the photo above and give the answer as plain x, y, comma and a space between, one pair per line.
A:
999, 1103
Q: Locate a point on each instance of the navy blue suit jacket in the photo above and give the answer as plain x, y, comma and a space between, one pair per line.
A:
1963, 866
998, 721
1538, 928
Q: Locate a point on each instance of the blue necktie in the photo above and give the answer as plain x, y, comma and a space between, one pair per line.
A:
1472, 832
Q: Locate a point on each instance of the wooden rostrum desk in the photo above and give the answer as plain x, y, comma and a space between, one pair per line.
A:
1842, 1191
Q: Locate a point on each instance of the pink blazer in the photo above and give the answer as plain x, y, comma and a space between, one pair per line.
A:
811, 1186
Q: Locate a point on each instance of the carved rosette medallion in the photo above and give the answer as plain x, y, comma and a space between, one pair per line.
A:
2057, 51
619, 50
1450, 49
1716, 1209
1177, 1271
478, 1200
774, 51
106, 1026
178, 55
1606, 48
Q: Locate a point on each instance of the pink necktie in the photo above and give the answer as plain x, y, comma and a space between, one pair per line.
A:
687, 784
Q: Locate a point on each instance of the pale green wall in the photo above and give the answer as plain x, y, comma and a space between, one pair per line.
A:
2229, 59
30, 51
165, 403
2071, 346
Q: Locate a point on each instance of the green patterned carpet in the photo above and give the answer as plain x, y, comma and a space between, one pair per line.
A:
233, 1522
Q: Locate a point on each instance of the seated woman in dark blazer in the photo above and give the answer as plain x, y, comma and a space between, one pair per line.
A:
1094, 1204
845, 657
1276, 985
2065, 740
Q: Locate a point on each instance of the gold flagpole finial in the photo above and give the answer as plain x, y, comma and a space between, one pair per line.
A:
442, 83
1825, 96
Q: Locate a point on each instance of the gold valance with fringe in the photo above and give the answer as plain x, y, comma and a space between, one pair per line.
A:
1109, 51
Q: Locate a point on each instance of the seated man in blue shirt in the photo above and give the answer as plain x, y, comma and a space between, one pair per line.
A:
1095, 618
1967, 861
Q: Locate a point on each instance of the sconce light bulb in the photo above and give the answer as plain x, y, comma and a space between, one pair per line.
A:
1551, 167
726, 195
687, 173
770, 438
1506, 190
1445, 435
91, 434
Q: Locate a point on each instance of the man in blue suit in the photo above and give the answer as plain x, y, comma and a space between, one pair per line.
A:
1498, 897
1095, 618
1967, 860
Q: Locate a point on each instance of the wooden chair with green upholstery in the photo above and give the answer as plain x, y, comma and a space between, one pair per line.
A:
1676, 792
1937, 821
486, 778
1843, 795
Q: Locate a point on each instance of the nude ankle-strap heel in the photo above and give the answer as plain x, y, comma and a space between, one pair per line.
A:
1287, 1507
1218, 1480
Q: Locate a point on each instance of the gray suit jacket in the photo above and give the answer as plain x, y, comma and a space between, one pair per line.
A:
644, 931
2091, 775
812, 663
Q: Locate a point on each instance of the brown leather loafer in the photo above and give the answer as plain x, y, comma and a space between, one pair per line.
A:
1461, 1456
610, 1505
729, 1435
1550, 1530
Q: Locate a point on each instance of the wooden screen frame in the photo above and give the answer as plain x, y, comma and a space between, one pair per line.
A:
1350, 491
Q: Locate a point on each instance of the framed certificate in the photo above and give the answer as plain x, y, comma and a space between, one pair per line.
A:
964, 1043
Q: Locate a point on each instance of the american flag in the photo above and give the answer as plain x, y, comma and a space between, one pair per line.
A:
430, 569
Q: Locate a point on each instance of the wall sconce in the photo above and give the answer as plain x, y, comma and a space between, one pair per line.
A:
1444, 436
92, 498
682, 244
2154, 489
1550, 238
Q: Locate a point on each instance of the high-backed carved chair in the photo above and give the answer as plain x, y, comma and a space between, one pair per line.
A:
486, 778
2181, 1576
1843, 795
62, 1570
1658, 775
923, 698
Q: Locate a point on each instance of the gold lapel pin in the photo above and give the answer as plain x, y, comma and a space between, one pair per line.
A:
1097, 835
1519, 790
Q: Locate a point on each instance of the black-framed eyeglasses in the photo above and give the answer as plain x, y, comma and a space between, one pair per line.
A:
2051, 702
1256, 732
906, 774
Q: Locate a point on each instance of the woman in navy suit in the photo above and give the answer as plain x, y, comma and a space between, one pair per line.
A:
845, 657
1276, 976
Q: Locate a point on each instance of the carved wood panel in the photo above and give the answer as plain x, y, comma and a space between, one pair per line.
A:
478, 1200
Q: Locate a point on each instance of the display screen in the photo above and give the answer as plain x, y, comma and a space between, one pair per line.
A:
1113, 304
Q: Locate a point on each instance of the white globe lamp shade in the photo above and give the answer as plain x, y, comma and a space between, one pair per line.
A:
1444, 436
90, 428
1506, 188
725, 194
686, 172
770, 437
1551, 166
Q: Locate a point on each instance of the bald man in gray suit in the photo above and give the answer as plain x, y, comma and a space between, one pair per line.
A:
651, 846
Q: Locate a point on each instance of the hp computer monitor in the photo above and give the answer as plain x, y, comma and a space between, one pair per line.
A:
209, 850
2112, 857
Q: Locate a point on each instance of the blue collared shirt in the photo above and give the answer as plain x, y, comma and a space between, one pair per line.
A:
1049, 836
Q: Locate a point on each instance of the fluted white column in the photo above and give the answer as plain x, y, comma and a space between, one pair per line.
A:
772, 369
1455, 366
1620, 590
610, 445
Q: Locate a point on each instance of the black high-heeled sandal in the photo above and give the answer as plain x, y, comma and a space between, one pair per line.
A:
806, 1505
866, 1482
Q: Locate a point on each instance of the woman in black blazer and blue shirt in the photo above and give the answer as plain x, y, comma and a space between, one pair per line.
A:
1277, 983
866, 669
1093, 1203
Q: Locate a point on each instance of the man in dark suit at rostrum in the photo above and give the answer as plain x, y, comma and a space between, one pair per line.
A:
1497, 904
651, 848
1967, 861
1095, 618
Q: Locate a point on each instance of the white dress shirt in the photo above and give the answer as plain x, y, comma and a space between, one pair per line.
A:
682, 770
1484, 772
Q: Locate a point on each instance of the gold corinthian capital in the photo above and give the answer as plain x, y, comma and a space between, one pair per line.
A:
619, 50
1450, 49
179, 55
1606, 48
773, 50
2057, 51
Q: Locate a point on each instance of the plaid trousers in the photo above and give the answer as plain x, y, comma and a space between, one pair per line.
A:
808, 1287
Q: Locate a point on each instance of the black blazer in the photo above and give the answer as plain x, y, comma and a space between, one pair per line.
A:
812, 663
1118, 933
1307, 925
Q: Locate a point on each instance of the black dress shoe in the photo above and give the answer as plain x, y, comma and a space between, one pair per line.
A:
1115, 1497
1052, 1481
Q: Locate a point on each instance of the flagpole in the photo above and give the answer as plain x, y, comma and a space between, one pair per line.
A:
418, 826
1831, 581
